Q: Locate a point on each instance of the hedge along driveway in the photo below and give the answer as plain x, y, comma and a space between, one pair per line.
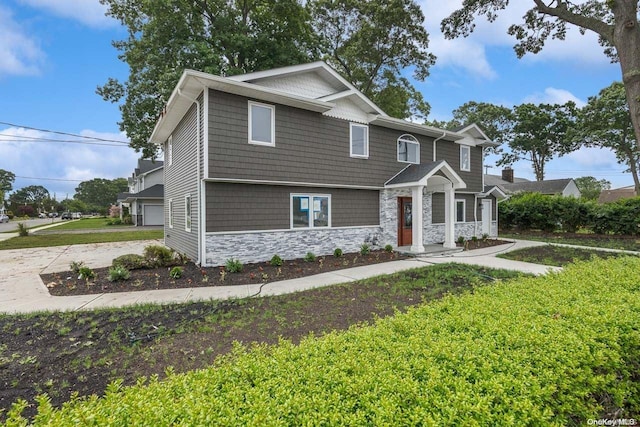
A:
541, 351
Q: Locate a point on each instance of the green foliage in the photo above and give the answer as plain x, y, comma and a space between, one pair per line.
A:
99, 192
159, 256
388, 248
337, 252
590, 188
118, 273
620, 217
86, 273
460, 240
276, 261
7, 179
176, 272
553, 350
75, 266
23, 231
365, 249
130, 261
310, 257
234, 265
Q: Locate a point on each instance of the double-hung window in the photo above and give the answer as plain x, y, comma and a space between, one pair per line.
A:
359, 140
187, 212
170, 213
465, 158
408, 149
310, 210
262, 124
170, 151
460, 210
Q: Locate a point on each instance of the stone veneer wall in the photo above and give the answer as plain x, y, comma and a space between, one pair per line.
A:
389, 214
466, 230
288, 244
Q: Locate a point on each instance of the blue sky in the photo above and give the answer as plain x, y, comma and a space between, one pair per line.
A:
54, 53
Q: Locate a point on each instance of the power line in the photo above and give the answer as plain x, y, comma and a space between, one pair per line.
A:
63, 133
49, 179
35, 139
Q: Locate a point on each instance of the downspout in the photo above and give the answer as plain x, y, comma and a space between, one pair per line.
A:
444, 133
198, 124
475, 214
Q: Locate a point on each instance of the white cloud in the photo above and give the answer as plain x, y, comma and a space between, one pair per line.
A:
89, 12
62, 161
594, 157
552, 95
19, 53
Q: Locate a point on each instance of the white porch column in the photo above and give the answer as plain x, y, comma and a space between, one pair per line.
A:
449, 217
416, 220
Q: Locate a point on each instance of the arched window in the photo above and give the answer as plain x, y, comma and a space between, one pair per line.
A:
408, 149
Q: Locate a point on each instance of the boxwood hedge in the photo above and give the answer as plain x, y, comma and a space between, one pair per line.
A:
555, 350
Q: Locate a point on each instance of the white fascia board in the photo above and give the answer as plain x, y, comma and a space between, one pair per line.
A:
403, 125
476, 134
192, 84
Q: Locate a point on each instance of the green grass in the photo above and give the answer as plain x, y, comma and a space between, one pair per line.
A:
558, 256
607, 241
40, 241
85, 223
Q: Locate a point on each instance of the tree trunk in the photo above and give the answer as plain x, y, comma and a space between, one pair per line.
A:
626, 39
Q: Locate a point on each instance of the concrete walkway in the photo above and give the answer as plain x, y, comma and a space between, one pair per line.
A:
22, 291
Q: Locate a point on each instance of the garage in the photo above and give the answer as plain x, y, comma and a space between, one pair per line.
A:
153, 215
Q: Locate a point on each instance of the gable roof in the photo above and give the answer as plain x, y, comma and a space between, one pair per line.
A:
154, 192
608, 196
145, 166
491, 180
551, 186
413, 175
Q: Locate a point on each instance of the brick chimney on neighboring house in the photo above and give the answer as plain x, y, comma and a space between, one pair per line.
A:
507, 174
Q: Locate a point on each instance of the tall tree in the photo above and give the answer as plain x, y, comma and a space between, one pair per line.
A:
606, 122
34, 195
590, 187
99, 192
614, 21
539, 134
217, 36
6, 184
370, 43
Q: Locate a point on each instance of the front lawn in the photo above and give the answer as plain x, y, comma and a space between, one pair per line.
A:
86, 223
558, 256
44, 240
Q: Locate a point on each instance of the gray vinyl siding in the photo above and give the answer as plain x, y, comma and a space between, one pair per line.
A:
242, 207
181, 178
309, 147
450, 152
437, 213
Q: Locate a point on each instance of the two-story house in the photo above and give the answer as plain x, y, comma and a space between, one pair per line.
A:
296, 160
145, 198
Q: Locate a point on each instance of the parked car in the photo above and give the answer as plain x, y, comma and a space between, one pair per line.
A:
4, 218
42, 215
53, 215
66, 215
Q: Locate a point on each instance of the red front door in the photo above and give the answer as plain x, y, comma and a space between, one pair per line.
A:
405, 230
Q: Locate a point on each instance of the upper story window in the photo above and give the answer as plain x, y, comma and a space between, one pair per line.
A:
359, 137
465, 158
408, 149
262, 124
170, 150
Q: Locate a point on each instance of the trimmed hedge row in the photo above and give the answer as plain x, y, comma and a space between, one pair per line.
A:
533, 211
539, 351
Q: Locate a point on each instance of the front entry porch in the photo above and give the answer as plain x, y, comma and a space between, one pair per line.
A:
424, 179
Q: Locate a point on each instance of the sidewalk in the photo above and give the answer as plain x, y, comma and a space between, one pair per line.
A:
22, 291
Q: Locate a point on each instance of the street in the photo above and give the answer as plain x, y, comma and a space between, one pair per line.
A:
13, 225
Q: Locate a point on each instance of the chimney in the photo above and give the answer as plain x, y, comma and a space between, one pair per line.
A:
507, 174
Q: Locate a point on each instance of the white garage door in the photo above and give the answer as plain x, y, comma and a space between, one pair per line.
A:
153, 215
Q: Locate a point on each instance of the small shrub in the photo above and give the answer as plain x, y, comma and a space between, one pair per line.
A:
234, 265
365, 249
130, 261
176, 272
460, 240
337, 253
159, 256
474, 239
388, 248
276, 261
75, 266
485, 237
114, 221
310, 257
118, 273
22, 229
126, 220
85, 273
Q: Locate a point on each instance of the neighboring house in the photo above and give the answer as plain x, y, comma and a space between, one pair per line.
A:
608, 196
512, 185
296, 160
145, 198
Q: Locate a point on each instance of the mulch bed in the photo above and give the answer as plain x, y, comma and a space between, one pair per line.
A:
67, 283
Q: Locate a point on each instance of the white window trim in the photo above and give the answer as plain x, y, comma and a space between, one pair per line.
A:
464, 210
409, 139
273, 125
310, 196
170, 213
366, 141
462, 148
187, 218
170, 150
